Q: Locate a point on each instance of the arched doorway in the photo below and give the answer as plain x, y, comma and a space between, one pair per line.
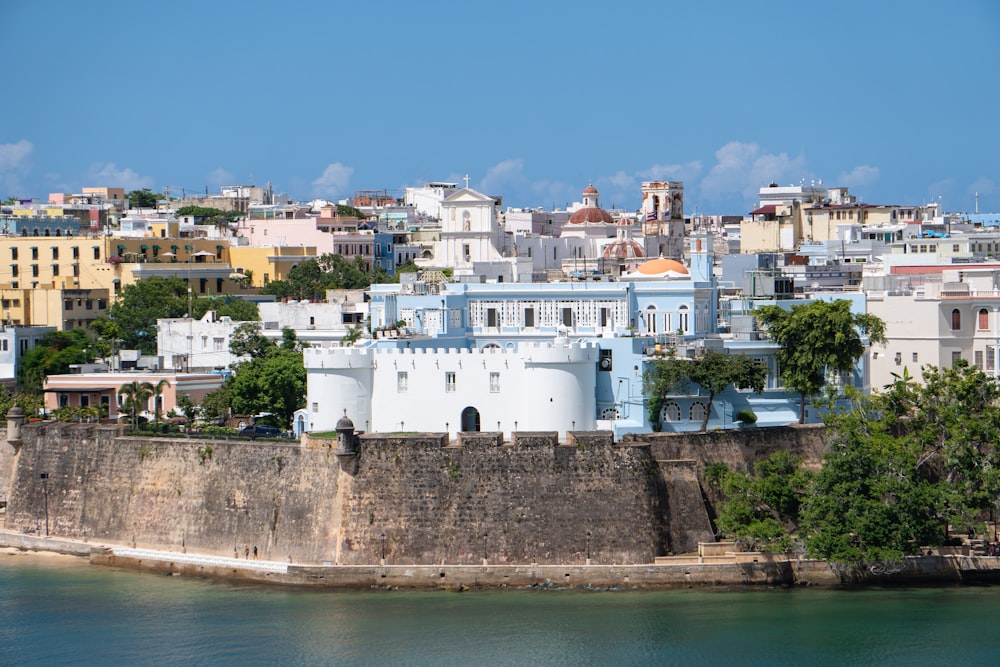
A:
470, 419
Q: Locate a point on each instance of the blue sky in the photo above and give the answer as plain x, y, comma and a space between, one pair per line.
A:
532, 99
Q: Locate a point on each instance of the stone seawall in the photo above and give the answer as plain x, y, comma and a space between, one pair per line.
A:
405, 499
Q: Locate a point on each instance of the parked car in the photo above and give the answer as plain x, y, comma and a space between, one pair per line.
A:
260, 432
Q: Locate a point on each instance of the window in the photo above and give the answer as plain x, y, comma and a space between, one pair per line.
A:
55, 269
491, 317
315, 407
97, 252
402, 382
34, 253
956, 319
984, 319
13, 270
68, 304
978, 359
204, 342
76, 252
449, 381
34, 270
915, 356
956, 356
13, 253
529, 318
465, 252
671, 412
567, 317
3, 345
217, 344
991, 358
55, 253
494, 383
90, 304
697, 411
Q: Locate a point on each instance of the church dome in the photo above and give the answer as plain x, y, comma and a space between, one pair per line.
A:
663, 267
591, 215
591, 212
627, 249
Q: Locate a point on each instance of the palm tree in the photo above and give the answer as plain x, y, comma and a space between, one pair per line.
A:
158, 396
136, 394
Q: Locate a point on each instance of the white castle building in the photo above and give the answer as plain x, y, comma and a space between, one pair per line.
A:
539, 356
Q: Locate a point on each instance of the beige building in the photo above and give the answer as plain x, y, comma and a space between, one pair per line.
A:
938, 323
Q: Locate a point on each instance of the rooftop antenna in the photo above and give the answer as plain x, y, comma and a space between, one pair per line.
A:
977, 203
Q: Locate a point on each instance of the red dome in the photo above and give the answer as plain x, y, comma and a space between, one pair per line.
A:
590, 190
591, 215
624, 250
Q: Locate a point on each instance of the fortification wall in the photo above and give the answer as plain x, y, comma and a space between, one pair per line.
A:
531, 500
435, 500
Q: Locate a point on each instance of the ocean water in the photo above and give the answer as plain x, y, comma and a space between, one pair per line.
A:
64, 612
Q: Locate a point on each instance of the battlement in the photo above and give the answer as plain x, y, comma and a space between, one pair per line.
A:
560, 351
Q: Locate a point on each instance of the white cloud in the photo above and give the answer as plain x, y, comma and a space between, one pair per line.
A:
219, 176
742, 169
672, 172
13, 165
107, 174
502, 176
334, 181
860, 176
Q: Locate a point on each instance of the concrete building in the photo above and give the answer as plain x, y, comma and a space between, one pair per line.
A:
101, 389
15, 342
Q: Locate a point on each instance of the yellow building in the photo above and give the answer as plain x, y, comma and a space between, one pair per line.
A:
264, 264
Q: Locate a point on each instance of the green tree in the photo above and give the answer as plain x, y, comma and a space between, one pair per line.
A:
713, 371
248, 341
763, 508
144, 198
216, 406
187, 407
53, 355
237, 309
136, 397
141, 304
662, 378
817, 339
157, 395
274, 382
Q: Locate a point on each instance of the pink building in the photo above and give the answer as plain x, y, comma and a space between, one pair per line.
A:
88, 389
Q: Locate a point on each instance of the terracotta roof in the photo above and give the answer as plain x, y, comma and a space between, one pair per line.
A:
765, 210
590, 190
591, 215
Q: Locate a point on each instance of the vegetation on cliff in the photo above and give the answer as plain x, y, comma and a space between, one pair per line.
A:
905, 466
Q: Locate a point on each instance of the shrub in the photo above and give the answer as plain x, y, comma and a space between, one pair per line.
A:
746, 416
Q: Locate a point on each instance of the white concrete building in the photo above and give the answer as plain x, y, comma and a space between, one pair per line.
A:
187, 345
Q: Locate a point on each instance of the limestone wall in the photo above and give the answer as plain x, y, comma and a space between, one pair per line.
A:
528, 500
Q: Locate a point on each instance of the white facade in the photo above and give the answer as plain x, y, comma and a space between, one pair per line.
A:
428, 199
185, 344
15, 342
541, 386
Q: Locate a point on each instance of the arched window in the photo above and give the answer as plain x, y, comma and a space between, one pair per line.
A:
984, 318
697, 411
956, 319
682, 319
651, 319
671, 412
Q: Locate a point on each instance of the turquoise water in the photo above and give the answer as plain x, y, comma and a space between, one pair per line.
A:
69, 613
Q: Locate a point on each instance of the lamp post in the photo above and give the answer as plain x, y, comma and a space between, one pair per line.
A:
45, 491
485, 537
383, 548
588, 547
